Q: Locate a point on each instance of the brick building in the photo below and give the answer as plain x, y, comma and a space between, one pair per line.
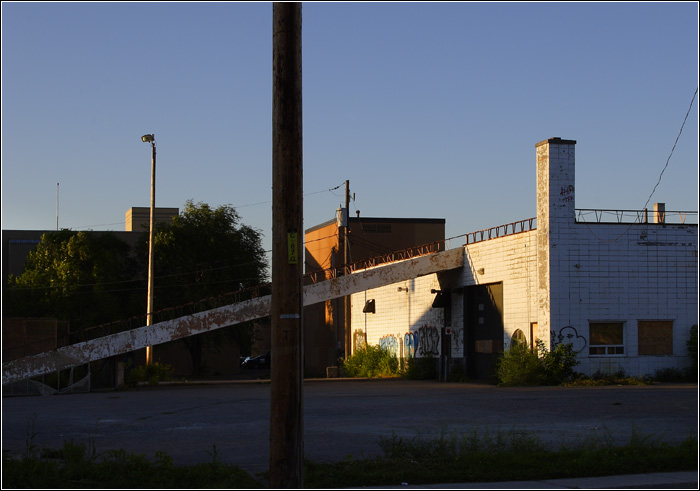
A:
325, 333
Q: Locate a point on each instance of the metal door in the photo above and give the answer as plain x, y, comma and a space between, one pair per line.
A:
483, 329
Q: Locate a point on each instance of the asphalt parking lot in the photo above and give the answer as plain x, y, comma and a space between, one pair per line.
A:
342, 418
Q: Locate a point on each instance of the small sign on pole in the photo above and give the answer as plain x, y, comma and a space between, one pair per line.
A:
292, 248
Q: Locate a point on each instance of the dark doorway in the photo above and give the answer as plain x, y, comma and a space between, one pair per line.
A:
483, 329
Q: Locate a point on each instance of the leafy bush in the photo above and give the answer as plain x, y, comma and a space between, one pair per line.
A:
151, 373
670, 375
458, 374
424, 368
558, 363
519, 366
371, 361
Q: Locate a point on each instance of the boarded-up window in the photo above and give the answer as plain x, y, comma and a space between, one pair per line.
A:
655, 337
483, 346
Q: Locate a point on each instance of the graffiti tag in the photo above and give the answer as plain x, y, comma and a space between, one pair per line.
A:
390, 344
569, 335
566, 193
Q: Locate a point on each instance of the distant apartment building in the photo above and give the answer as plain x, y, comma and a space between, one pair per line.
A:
137, 219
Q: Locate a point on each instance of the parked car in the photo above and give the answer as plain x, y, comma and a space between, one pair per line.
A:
261, 361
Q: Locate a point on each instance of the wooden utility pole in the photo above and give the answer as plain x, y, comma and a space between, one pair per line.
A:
346, 258
286, 416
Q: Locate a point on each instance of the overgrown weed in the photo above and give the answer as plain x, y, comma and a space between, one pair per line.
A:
371, 361
472, 456
519, 366
79, 466
481, 457
151, 373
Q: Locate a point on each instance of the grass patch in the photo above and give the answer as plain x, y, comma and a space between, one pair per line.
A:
79, 466
76, 466
666, 375
599, 379
511, 456
449, 458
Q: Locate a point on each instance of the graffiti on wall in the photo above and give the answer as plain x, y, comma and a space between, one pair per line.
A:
569, 335
409, 344
457, 341
390, 344
429, 340
567, 193
425, 340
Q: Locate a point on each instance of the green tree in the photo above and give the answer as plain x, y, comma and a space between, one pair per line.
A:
91, 278
205, 252
86, 278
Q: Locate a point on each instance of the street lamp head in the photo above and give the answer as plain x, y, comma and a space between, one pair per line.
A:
148, 138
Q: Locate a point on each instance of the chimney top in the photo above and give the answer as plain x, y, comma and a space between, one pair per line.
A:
557, 140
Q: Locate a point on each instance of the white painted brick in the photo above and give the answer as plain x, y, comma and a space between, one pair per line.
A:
604, 272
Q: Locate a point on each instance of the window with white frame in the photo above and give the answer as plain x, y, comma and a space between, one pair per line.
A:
606, 338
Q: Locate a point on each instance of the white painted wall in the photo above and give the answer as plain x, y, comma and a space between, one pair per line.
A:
610, 272
511, 260
627, 273
561, 276
399, 315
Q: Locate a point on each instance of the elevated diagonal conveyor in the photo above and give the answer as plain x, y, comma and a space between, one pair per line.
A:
190, 325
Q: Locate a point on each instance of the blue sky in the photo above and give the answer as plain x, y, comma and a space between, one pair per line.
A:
430, 110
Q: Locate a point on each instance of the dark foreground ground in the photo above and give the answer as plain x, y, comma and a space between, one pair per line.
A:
341, 417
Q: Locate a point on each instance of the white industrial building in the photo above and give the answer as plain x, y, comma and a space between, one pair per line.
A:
625, 293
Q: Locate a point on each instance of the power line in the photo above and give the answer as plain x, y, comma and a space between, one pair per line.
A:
334, 234
307, 194
674, 147
330, 190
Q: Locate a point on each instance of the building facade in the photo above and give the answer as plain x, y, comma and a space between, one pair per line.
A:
624, 294
325, 334
138, 218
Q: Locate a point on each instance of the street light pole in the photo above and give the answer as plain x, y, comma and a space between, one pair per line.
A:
149, 314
